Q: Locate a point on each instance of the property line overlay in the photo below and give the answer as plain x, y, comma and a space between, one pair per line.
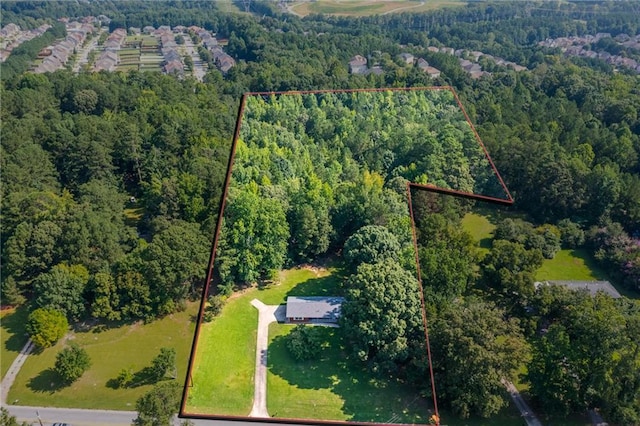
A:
506, 201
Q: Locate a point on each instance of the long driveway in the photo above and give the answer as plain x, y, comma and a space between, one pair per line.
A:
527, 414
16, 365
267, 315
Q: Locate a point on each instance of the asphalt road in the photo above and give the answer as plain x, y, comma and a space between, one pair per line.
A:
80, 417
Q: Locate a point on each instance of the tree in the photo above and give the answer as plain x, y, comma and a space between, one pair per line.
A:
46, 326
473, 349
174, 264
304, 342
62, 288
371, 244
72, 362
588, 356
158, 406
253, 241
214, 307
85, 101
381, 314
508, 270
163, 363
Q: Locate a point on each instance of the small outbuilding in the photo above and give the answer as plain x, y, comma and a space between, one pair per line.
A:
591, 286
313, 309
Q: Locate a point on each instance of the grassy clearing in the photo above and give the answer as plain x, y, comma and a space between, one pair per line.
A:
570, 265
566, 265
369, 7
111, 350
12, 324
480, 228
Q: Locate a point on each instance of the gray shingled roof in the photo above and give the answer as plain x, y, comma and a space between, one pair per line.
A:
314, 307
592, 286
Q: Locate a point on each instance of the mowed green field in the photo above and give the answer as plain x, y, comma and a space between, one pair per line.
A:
13, 338
131, 346
369, 7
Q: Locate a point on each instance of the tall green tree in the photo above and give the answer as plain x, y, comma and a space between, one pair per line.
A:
175, 264
508, 272
46, 326
371, 244
63, 289
158, 406
473, 349
382, 314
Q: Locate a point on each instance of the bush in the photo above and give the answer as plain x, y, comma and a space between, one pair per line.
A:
214, 307
124, 378
72, 362
304, 343
164, 362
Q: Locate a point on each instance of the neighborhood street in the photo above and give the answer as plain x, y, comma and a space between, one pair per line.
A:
79, 417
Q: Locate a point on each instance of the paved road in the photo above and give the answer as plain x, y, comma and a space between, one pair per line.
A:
79, 417
267, 315
8, 379
528, 415
83, 53
199, 69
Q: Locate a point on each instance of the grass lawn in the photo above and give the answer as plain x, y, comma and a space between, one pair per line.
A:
12, 324
111, 350
570, 265
335, 387
370, 7
480, 228
224, 364
222, 376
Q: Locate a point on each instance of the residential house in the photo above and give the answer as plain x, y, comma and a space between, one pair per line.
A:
313, 309
407, 58
593, 287
358, 65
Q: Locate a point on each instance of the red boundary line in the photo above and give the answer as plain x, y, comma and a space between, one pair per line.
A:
432, 188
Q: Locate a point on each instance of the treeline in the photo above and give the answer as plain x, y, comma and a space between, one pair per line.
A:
310, 170
111, 186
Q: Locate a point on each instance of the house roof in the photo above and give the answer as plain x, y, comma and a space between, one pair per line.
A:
592, 286
314, 307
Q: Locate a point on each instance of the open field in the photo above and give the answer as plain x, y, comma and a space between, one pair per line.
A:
330, 388
369, 7
13, 338
130, 346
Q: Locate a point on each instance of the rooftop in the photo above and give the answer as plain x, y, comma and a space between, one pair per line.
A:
314, 307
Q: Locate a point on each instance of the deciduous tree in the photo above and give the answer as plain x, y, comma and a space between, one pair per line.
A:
46, 326
72, 362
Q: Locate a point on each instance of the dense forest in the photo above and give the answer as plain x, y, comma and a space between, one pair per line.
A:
111, 184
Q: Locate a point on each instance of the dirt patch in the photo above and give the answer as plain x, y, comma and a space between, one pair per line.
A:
316, 269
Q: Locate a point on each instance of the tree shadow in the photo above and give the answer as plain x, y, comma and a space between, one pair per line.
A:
14, 324
321, 286
48, 381
486, 243
366, 397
